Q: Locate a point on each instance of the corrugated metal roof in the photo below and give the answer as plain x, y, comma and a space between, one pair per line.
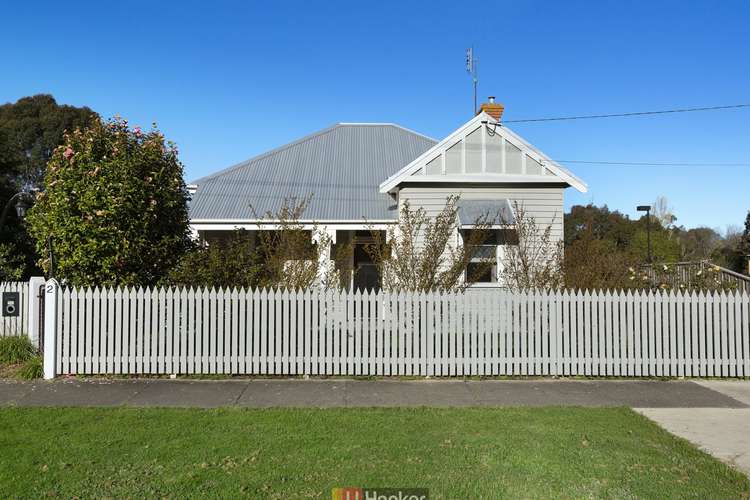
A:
341, 167
471, 210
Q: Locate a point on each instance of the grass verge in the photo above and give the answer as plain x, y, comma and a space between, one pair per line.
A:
293, 453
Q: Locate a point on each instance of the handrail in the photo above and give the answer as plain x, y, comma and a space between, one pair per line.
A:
725, 275
703, 262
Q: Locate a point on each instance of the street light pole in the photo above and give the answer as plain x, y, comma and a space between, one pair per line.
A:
647, 209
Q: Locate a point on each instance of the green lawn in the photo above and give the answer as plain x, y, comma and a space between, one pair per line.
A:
282, 453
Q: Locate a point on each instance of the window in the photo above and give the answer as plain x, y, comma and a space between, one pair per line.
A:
490, 248
435, 167
453, 159
482, 273
494, 154
513, 159
533, 167
474, 152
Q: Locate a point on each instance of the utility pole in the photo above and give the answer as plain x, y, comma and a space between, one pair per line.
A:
471, 68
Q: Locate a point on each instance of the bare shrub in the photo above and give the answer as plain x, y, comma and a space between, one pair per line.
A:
296, 258
536, 261
423, 253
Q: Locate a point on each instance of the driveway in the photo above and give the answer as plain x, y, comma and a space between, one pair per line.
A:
722, 432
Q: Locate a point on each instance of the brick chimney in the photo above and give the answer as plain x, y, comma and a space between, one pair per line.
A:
492, 108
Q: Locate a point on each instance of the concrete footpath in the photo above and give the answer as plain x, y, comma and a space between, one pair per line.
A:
714, 415
259, 393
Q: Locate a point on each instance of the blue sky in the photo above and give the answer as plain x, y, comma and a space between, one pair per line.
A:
229, 80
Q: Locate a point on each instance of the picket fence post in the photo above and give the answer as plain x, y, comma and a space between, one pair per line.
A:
32, 302
51, 291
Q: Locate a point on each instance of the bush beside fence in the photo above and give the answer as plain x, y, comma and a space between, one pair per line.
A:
479, 333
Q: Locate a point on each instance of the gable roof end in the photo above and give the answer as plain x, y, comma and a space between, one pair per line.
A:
412, 168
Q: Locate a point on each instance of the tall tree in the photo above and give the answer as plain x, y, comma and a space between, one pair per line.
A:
12, 256
662, 212
698, 243
744, 246
115, 204
590, 221
30, 129
33, 127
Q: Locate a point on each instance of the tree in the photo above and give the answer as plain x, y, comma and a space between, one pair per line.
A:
698, 243
597, 264
745, 242
625, 235
422, 253
33, 127
12, 261
662, 212
30, 129
115, 206
590, 221
664, 247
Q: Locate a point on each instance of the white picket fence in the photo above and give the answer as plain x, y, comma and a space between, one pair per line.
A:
483, 333
15, 325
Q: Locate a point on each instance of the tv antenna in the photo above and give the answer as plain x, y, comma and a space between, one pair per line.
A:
471, 69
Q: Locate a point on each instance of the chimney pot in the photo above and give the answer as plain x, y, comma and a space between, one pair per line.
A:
491, 99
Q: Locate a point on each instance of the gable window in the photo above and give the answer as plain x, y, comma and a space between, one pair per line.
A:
513, 159
453, 159
474, 152
533, 167
435, 167
494, 154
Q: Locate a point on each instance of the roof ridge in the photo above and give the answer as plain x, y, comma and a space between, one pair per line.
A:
387, 124
301, 140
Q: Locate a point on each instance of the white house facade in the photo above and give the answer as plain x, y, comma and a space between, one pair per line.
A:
359, 174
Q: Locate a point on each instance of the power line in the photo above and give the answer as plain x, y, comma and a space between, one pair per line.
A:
655, 164
621, 115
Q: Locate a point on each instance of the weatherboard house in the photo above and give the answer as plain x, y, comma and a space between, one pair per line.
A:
359, 174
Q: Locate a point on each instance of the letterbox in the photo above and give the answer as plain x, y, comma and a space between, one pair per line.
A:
11, 304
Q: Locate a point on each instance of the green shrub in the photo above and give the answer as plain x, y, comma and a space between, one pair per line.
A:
115, 203
31, 369
16, 350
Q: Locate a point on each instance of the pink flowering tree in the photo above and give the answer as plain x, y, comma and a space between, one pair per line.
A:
114, 206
